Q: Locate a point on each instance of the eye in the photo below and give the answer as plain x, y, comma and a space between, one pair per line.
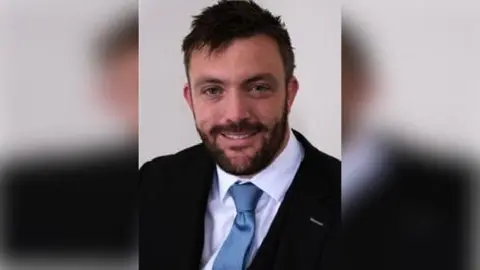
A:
212, 91
260, 88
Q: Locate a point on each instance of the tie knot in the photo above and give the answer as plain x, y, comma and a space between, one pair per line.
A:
245, 196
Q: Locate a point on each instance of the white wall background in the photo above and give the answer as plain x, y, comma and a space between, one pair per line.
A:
429, 60
49, 96
3, 68
166, 124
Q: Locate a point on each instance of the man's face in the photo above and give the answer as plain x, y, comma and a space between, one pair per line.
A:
240, 102
122, 87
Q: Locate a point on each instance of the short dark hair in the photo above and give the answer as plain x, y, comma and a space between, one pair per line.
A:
119, 38
218, 25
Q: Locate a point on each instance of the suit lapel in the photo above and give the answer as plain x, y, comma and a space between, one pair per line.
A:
184, 203
297, 235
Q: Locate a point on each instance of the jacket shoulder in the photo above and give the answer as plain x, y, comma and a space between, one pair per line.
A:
158, 170
329, 161
328, 165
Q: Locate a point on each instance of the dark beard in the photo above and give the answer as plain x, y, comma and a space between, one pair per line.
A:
262, 158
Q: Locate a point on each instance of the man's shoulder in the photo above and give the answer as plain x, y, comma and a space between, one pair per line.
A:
173, 161
323, 162
329, 168
328, 160
167, 166
317, 164
322, 159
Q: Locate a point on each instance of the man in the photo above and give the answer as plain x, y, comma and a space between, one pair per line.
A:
80, 204
254, 194
401, 207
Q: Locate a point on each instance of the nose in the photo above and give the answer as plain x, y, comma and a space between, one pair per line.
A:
236, 107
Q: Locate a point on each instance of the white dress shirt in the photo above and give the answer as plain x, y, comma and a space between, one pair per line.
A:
274, 181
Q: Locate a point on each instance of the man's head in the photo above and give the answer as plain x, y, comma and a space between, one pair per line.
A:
239, 63
356, 72
118, 57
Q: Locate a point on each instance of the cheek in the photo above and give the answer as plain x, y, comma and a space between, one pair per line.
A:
269, 113
205, 116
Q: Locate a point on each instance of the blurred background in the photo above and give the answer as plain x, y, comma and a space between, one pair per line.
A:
69, 85
425, 56
410, 134
49, 48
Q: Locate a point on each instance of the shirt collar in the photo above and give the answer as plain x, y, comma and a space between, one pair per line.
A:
274, 180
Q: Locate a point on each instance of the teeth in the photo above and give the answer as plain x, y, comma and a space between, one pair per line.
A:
236, 136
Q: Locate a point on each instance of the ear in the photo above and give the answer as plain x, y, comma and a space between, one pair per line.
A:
187, 95
292, 88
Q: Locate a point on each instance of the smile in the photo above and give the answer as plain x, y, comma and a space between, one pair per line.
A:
238, 135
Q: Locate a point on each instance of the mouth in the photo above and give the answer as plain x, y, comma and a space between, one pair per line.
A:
239, 136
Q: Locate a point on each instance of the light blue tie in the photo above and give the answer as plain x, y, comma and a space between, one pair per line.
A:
235, 250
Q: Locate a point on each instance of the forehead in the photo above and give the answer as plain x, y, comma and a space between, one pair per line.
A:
241, 59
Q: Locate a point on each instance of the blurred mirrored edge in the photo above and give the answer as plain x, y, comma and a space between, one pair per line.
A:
23, 180
459, 154
49, 169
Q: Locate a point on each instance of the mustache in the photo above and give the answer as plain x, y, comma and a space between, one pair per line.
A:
240, 126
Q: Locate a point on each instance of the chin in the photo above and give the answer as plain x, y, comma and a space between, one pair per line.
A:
244, 161
237, 165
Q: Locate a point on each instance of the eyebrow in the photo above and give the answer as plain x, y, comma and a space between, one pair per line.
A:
257, 77
207, 80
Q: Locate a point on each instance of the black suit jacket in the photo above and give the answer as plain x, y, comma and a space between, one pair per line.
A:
73, 205
415, 218
173, 198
